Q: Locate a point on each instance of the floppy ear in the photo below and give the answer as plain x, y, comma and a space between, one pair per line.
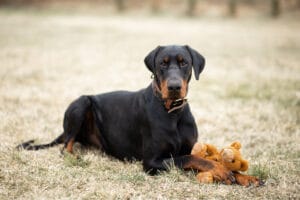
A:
198, 61
150, 59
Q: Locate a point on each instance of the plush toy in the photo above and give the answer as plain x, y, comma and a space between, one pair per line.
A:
232, 159
209, 152
206, 151
229, 157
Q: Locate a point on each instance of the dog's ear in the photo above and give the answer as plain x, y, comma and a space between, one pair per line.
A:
150, 59
198, 61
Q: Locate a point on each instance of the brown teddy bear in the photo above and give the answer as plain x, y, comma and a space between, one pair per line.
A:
229, 157
209, 152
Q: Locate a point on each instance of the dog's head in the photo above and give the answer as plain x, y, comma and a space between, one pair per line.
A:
172, 69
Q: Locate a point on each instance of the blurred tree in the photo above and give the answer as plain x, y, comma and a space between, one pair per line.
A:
191, 7
120, 5
250, 2
232, 7
275, 8
155, 5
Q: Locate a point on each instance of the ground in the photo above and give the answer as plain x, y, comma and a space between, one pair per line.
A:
249, 91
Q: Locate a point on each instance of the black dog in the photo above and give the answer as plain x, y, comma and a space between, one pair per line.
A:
154, 125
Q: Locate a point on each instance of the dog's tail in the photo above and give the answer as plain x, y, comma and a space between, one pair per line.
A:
29, 144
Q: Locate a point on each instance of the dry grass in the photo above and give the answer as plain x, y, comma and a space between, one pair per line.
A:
249, 91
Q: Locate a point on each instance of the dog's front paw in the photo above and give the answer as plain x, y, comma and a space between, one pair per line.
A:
221, 174
246, 180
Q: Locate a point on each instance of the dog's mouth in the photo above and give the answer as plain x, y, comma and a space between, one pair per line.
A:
172, 105
174, 96
173, 100
177, 102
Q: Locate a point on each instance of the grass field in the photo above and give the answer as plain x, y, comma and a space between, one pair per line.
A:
249, 91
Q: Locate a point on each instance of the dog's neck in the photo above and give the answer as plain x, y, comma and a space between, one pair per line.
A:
169, 104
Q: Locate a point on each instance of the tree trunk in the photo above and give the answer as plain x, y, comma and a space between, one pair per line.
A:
232, 7
120, 5
275, 8
191, 7
155, 6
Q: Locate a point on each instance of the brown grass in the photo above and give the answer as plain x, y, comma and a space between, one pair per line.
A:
249, 91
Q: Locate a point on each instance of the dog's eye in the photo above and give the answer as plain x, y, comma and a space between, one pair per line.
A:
163, 64
183, 64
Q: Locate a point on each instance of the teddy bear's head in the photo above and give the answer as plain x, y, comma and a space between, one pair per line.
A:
231, 158
207, 151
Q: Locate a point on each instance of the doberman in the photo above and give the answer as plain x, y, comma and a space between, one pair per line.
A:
154, 125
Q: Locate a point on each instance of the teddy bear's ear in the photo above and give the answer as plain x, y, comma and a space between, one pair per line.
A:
212, 153
244, 165
204, 148
211, 149
236, 145
199, 149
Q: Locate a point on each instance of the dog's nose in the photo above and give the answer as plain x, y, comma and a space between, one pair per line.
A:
174, 85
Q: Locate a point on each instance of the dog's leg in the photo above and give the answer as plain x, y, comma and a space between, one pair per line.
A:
70, 145
246, 180
189, 162
153, 166
74, 119
218, 171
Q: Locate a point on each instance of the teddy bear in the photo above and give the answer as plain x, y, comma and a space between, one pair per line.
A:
229, 157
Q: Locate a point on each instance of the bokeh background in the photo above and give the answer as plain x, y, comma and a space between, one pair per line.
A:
51, 52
